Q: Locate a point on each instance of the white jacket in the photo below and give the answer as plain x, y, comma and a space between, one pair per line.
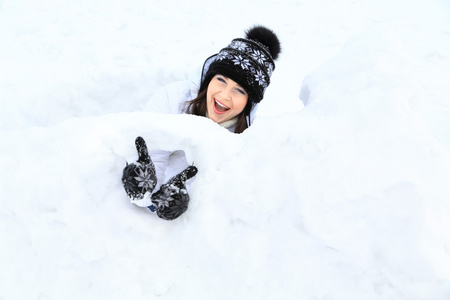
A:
170, 99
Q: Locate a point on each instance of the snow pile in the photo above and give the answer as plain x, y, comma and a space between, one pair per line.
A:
346, 198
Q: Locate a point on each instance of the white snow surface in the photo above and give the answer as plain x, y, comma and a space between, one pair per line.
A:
339, 190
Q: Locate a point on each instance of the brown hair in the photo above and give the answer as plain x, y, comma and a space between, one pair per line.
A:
198, 107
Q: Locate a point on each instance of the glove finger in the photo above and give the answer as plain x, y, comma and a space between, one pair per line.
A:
190, 172
142, 150
180, 179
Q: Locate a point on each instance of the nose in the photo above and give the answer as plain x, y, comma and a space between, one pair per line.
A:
227, 93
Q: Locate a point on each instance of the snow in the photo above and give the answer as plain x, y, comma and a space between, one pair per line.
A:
339, 190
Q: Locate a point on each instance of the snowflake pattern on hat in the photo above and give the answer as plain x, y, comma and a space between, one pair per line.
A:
222, 55
258, 56
259, 77
239, 45
242, 62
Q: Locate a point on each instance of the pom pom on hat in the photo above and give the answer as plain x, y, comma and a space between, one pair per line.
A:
266, 37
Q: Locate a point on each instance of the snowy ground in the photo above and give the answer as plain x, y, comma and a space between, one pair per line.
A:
340, 189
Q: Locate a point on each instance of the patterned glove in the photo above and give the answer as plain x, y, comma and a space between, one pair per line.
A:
139, 178
172, 199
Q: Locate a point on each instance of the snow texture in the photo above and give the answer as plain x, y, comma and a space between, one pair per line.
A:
339, 190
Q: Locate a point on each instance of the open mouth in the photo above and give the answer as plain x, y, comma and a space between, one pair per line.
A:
220, 108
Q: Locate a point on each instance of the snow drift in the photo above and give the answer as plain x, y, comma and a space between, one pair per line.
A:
346, 198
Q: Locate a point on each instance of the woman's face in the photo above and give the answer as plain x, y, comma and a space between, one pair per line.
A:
225, 99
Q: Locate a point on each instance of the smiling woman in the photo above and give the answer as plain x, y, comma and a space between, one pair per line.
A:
246, 65
227, 91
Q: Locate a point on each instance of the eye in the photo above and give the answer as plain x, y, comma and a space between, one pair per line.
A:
221, 79
241, 91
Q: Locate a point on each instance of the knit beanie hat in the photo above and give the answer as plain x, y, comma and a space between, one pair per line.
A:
248, 61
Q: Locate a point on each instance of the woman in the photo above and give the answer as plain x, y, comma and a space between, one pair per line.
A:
232, 83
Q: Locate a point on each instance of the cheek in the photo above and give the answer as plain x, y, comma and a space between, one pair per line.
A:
209, 97
241, 103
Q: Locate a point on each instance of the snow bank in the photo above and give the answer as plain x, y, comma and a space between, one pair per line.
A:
344, 199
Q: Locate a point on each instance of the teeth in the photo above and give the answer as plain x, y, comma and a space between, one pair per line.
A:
221, 105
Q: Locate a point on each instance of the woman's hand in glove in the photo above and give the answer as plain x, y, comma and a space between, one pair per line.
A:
139, 178
172, 199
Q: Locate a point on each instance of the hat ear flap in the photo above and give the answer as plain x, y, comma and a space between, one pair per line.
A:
205, 82
249, 106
